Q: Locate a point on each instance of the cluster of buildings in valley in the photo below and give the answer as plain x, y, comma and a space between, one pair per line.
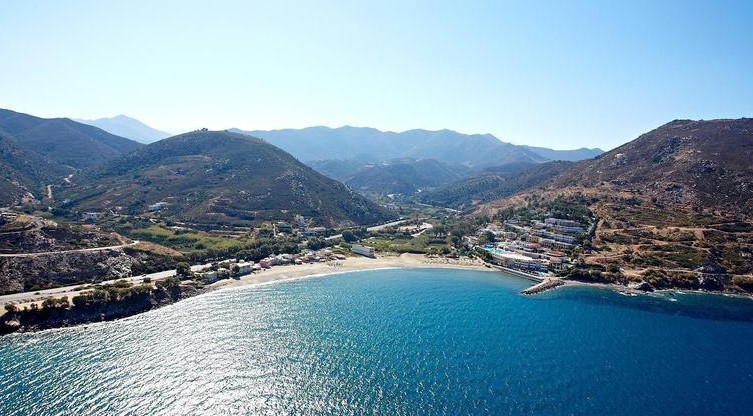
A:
415, 229
299, 227
538, 246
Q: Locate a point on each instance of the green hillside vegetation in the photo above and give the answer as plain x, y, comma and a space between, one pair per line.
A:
404, 176
468, 192
22, 171
337, 169
219, 178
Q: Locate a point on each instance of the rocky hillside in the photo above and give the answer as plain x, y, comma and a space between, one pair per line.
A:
54, 254
30, 273
29, 234
218, 177
697, 164
675, 207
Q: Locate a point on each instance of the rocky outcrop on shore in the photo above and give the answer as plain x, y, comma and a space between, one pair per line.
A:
98, 305
19, 274
642, 286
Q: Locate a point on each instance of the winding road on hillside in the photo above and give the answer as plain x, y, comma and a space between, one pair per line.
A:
78, 250
374, 228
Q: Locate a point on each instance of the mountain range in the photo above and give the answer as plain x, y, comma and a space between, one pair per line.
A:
63, 140
565, 155
128, 127
475, 151
206, 177
35, 152
371, 160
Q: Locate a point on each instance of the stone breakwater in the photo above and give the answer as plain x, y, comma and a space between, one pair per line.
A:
546, 284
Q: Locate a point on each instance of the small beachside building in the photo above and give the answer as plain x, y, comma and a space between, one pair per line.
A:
245, 268
363, 250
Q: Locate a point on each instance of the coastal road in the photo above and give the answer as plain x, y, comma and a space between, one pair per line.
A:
383, 226
370, 229
79, 250
41, 294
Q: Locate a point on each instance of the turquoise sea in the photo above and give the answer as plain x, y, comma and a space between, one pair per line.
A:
395, 342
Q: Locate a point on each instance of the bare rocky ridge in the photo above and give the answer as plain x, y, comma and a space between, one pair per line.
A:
674, 207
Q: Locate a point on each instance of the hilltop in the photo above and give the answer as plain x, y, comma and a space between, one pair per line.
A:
699, 164
219, 177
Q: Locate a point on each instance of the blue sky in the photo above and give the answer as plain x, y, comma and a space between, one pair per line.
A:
560, 74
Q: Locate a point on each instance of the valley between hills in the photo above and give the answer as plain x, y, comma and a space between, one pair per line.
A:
670, 209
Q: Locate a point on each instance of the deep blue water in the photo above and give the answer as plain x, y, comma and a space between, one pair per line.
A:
395, 342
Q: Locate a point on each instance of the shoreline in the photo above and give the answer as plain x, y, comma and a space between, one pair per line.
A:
32, 321
624, 289
352, 264
386, 262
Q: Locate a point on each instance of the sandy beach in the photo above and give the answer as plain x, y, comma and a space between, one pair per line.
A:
352, 264
278, 273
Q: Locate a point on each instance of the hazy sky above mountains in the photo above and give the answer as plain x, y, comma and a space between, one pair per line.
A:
560, 74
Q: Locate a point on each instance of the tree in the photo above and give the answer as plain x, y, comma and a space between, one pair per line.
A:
613, 268
316, 244
486, 237
183, 269
9, 307
80, 300
349, 237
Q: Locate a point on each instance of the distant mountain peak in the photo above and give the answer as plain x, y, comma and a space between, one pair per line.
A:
129, 127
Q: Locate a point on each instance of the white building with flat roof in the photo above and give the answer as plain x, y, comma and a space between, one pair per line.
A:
363, 250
